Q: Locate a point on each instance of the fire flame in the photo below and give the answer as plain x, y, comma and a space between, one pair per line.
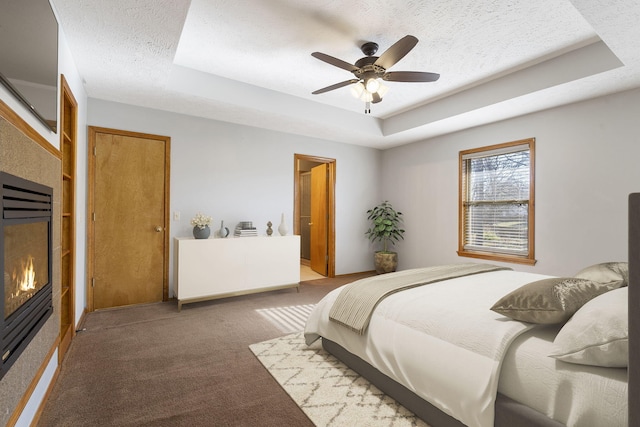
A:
27, 278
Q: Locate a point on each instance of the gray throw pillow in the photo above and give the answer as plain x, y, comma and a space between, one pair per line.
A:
606, 272
549, 301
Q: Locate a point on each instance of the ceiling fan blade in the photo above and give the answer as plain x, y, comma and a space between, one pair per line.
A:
376, 97
396, 52
335, 61
410, 76
335, 86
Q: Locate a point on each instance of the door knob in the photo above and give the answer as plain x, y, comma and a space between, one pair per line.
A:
310, 223
158, 229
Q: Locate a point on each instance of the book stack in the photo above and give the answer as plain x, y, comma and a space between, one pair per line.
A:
245, 229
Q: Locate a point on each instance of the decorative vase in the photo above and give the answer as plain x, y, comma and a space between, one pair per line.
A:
224, 231
201, 233
282, 228
269, 229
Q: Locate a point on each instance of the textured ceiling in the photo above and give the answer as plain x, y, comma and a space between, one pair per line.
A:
249, 62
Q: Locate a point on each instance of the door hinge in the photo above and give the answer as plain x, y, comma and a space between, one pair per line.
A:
93, 216
95, 151
93, 282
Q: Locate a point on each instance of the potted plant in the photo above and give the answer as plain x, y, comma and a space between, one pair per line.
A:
385, 228
201, 224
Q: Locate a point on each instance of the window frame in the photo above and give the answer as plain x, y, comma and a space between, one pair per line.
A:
529, 258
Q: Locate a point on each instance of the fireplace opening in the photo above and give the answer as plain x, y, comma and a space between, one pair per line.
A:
25, 259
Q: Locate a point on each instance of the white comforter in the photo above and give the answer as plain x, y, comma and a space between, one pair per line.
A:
440, 341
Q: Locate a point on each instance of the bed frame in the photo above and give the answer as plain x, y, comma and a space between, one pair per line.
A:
509, 412
634, 306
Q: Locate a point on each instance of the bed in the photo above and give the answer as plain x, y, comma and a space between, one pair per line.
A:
470, 344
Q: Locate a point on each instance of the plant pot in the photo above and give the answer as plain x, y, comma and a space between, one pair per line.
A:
386, 262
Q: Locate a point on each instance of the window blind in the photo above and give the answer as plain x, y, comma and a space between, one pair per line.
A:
496, 187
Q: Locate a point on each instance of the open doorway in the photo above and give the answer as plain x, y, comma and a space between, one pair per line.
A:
314, 212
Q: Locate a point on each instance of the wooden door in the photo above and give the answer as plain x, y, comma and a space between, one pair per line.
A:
319, 226
130, 218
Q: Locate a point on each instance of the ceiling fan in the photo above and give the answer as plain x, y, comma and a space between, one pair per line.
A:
370, 69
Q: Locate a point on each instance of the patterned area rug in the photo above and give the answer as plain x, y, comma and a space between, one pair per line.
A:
325, 389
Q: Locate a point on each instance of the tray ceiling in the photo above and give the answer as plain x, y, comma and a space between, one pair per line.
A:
249, 62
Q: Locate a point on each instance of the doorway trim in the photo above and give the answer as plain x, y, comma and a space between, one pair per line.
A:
331, 208
91, 167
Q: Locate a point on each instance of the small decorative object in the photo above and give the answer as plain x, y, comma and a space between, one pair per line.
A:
201, 224
386, 228
282, 228
224, 231
269, 229
201, 233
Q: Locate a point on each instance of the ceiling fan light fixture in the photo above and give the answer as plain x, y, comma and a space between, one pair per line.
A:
366, 96
382, 90
357, 89
370, 71
372, 85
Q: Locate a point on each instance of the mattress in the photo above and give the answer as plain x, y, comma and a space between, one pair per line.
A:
576, 395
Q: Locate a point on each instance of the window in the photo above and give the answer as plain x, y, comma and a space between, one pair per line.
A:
496, 207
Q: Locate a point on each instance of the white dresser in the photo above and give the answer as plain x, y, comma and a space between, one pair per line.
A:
217, 268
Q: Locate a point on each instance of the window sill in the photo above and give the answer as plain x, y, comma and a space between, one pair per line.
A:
498, 257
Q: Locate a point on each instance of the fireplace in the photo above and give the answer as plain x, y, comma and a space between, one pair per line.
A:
25, 259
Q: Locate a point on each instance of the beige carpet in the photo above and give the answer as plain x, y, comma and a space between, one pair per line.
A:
328, 392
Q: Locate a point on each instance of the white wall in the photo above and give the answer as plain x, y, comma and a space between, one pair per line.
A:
586, 165
236, 173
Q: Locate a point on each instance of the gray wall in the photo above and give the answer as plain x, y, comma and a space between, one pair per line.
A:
586, 165
236, 173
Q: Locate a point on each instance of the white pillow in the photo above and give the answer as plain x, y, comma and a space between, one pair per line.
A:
598, 333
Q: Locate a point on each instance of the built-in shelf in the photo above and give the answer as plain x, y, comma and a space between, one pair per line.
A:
68, 135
